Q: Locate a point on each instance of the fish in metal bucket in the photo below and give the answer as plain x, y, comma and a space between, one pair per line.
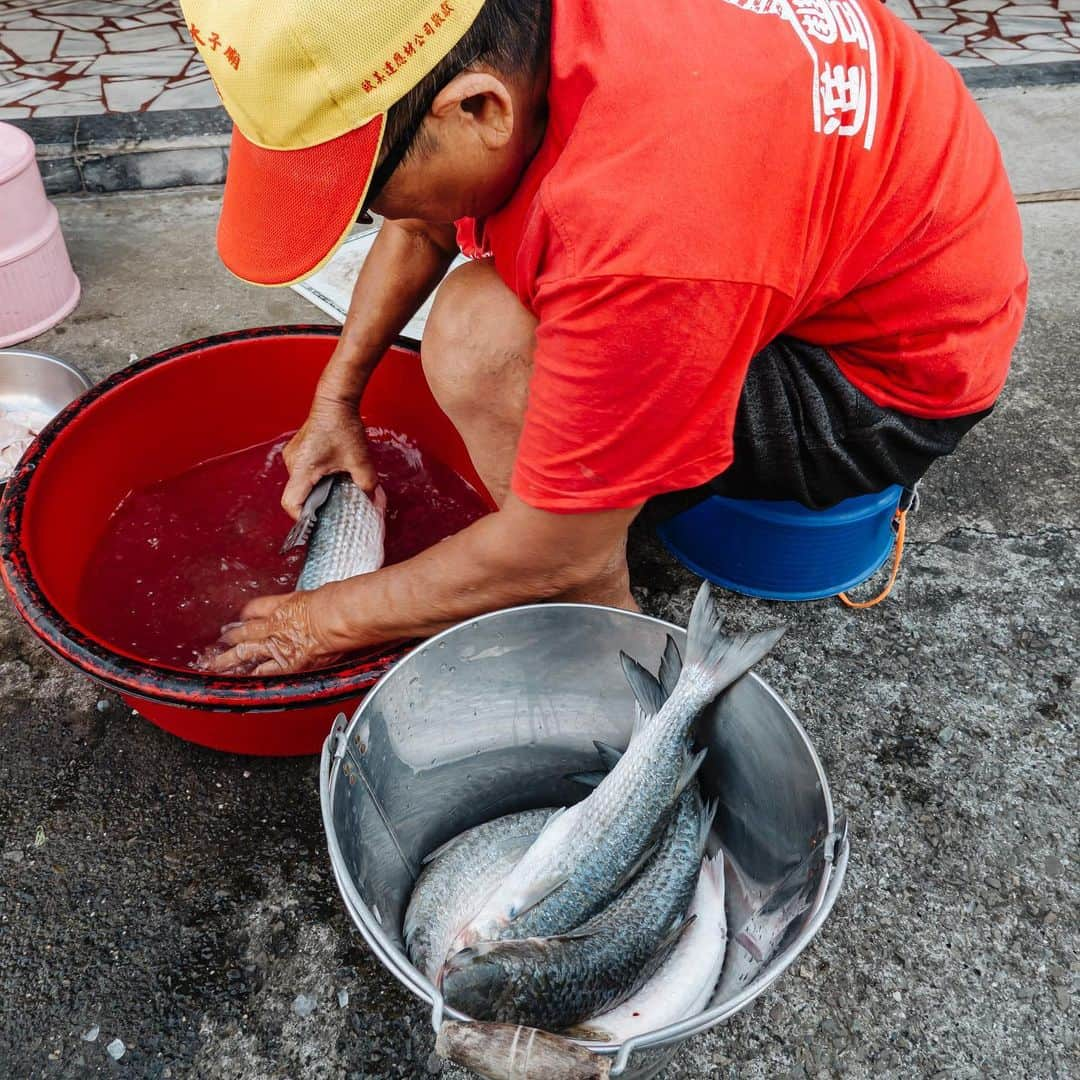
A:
557, 981
585, 855
455, 875
684, 984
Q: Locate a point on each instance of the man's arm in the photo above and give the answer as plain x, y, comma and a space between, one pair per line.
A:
406, 262
518, 555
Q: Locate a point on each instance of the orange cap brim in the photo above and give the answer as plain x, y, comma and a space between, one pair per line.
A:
285, 212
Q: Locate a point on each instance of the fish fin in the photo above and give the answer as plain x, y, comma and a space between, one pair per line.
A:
509, 946
609, 755
670, 939
722, 659
587, 779
670, 666
708, 815
580, 933
470, 953
442, 849
632, 873
690, 768
541, 889
640, 719
712, 868
556, 814
378, 498
750, 945
647, 690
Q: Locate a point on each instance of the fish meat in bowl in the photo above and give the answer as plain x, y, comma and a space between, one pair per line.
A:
34, 387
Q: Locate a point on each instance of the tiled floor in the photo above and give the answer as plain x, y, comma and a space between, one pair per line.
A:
985, 33
78, 57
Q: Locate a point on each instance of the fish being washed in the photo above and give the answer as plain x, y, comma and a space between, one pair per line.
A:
457, 878
553, 982
683, 985
349, 532
586, 854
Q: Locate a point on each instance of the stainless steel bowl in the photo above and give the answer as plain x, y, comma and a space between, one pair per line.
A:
36, 382
491, 716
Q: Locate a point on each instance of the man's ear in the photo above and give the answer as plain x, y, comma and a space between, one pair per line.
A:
481, 99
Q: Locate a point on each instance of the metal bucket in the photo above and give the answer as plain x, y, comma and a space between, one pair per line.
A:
490, 718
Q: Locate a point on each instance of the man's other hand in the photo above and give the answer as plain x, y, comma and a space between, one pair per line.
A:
279, 635
332, 440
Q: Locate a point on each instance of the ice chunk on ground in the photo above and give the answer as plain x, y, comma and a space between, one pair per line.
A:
303, 1006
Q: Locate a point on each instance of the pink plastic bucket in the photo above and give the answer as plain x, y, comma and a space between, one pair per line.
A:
37, 285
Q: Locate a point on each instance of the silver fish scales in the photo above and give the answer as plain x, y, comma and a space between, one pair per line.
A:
683, 985
554, 982
349, 534
586, 854
457, 877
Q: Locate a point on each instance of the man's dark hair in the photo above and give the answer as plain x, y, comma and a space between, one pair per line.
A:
510, 36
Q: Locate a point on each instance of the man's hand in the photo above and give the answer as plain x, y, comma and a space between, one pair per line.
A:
406, 262
332, 440
280, 635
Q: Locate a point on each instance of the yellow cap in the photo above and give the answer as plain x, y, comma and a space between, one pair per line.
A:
296, 75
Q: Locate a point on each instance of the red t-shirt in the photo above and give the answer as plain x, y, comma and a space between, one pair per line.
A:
715, 173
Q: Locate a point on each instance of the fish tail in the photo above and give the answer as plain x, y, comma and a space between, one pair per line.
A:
708, 815
712, 872
720, 660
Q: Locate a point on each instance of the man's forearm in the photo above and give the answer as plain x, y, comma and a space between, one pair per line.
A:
406, 262
516, 556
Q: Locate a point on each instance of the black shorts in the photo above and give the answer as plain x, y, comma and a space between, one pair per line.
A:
803, 432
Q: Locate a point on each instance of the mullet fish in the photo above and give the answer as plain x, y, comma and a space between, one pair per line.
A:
457, 876
344, 529
588, 853
553, 982
683, 985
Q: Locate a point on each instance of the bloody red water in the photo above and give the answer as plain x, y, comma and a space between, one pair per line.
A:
181, 558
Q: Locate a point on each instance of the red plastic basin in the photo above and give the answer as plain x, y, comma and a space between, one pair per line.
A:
159, 417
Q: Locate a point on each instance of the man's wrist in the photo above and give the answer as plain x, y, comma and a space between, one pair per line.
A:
331, 606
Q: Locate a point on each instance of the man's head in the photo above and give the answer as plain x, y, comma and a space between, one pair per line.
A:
456, 145
418, 108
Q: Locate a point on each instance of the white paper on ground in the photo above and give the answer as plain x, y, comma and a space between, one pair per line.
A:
331, 287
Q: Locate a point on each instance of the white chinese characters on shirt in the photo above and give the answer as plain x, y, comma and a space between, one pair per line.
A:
840, 42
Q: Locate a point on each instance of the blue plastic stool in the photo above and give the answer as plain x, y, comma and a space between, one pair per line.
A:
782, 550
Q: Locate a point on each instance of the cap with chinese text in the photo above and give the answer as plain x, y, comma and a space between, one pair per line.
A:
308, 84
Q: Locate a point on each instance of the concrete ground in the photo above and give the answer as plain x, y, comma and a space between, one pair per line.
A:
180, 900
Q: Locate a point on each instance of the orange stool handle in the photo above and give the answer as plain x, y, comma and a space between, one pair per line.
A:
898, 553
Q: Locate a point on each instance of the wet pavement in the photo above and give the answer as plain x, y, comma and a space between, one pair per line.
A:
181, 901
